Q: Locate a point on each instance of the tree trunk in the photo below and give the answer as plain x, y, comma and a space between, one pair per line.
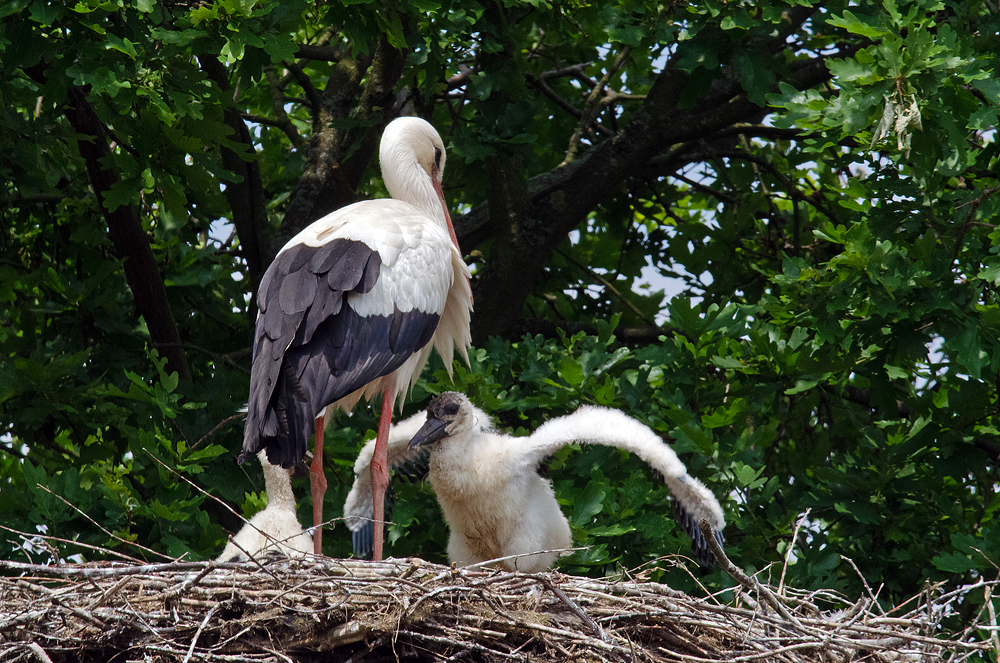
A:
129, 238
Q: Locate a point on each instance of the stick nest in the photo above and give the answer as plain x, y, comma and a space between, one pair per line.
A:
408, 609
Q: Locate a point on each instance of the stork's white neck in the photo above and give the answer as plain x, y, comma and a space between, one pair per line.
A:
414, 186
407, 158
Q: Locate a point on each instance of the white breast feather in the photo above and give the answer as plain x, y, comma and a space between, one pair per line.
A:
453, 329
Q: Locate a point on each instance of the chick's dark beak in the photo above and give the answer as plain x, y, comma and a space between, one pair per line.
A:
432, 431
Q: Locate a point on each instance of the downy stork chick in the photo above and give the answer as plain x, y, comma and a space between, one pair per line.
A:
276, 528
497, 505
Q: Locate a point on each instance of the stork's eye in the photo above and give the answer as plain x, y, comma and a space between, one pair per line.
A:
451, 410
437, 157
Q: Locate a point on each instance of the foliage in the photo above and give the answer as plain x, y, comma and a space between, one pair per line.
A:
819, 181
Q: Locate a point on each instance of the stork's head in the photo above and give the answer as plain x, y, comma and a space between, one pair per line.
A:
449, 415
412, 156
407, 140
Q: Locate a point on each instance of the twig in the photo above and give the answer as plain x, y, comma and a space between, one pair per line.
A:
994, 638
49, 537
737, 574
868, 589
98, 572
610, 286
199, 488
490, 562
474, 646
98, 526
791, 547
238, 415
39, 653
194, 580
593, 105
197, 634
576, 609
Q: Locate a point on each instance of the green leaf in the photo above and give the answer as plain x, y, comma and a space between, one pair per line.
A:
953, 562
119, 44
850, 70
861, 25
728, 362
756, 75
991, 270
629, 35
588, 505
801, 386
990, 87
895, 373
745, 474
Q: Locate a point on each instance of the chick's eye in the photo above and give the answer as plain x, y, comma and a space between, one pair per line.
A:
451, 410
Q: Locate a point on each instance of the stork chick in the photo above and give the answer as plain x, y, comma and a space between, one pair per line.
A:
497, 505
276, 528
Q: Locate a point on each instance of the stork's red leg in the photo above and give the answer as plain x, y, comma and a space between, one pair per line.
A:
380, 469
317, 477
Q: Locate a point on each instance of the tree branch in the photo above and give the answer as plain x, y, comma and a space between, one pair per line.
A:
285, 125
323, 187
593, 104
374, 110
278, 104
561, 199
318, 52
814, 198
312, 94
551, 329
313, 49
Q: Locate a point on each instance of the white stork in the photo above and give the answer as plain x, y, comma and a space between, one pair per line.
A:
276, 527
493, 499
352, 306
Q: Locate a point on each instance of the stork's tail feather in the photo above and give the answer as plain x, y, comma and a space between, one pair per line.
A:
363, 540
292, 382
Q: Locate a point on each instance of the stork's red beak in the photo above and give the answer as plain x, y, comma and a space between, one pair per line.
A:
447, 215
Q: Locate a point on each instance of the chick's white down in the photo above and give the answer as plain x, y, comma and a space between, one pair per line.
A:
276, 528
493, 499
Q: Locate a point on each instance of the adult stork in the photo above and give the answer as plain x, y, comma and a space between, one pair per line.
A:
352, 306
496, 504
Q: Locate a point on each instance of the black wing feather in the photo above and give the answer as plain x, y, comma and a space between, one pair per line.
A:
699, 546
312, 349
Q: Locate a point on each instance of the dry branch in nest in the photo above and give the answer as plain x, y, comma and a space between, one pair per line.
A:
409, 609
